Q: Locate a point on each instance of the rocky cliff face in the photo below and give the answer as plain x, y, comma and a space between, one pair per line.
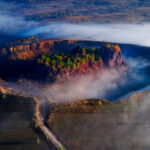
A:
32, 50
111, 55
84, 70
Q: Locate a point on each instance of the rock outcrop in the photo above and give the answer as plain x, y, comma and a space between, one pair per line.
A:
111, 55
26, 51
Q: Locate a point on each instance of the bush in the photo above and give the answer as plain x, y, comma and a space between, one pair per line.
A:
71, 60
4, 96
60, 148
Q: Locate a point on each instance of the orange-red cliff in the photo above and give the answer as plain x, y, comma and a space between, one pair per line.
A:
33, 49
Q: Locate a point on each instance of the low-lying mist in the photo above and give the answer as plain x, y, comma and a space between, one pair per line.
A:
91, 86
11, 24
118, 33
110, 84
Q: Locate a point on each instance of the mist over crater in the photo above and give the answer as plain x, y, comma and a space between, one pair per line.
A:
86, 65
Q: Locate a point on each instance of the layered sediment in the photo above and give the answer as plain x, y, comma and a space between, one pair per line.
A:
30, 50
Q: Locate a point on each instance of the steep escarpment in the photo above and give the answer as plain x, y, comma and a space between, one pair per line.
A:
111, 55
49, 60
30, 49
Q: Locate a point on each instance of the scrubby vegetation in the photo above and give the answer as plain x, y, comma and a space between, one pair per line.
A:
23, 41
70, 60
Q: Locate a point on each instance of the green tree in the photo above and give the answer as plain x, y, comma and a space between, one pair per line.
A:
83, 52
74, 66
60, 148
47, 62
92, 58
38, 141
39, 61
43, 57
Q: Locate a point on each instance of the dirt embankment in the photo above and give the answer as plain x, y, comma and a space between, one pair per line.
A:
39, 119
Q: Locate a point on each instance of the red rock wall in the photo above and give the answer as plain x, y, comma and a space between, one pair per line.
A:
29, 51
